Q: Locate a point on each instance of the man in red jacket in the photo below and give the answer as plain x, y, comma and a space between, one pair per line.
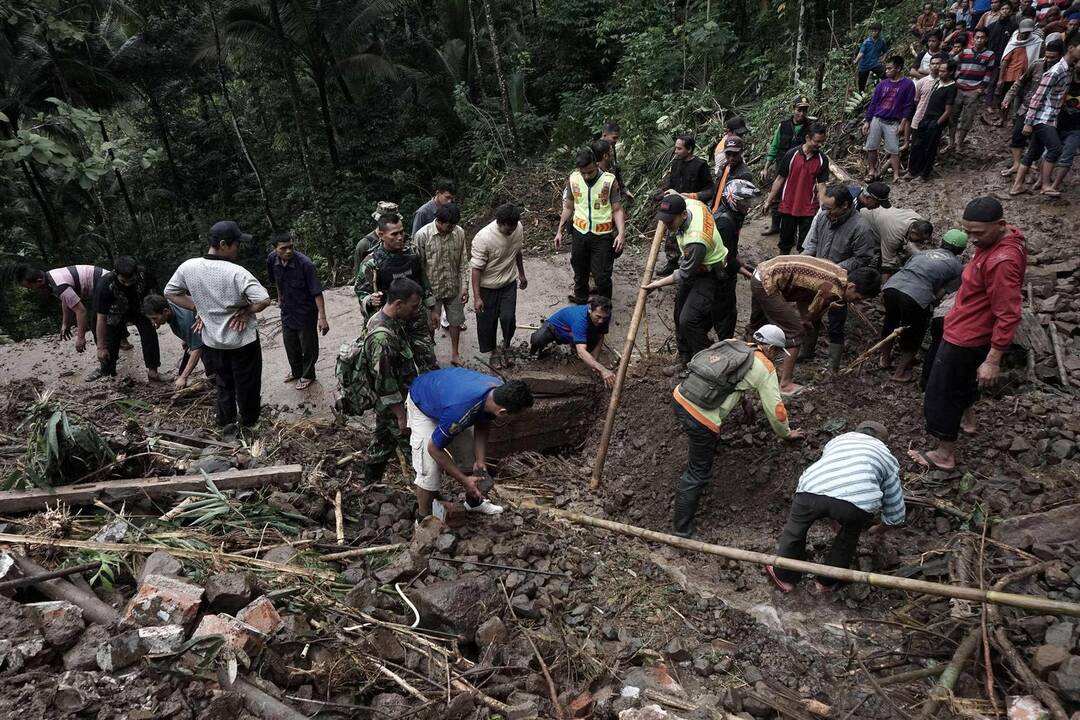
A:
978, 329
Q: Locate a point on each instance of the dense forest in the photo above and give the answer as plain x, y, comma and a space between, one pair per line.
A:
128, 127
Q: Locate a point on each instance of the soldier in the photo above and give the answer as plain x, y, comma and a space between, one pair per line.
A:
369, 241
389, 364
391, 260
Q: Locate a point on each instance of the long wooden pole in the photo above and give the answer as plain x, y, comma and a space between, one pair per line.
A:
1025, 602
624, 361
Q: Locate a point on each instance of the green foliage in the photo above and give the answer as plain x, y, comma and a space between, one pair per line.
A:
59, 450
216, 511
110, 566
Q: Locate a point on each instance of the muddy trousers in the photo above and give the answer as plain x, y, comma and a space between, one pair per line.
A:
386, 439
701, 445
726, 309
301, 349
148, 339
239, 383
593, 255
500, 310
694, 304
807, 509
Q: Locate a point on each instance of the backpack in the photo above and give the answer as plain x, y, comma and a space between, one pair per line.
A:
356, 392
715, 371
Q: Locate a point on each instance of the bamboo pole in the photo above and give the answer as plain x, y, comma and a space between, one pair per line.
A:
360, 552
1059, 356
51, 575
624, 361
873, 349
947, 682
1024, 602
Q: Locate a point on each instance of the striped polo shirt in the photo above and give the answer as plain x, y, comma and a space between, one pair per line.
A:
974, 69
858, 469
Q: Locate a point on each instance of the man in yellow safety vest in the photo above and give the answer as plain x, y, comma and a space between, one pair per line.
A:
594, 200
700, 274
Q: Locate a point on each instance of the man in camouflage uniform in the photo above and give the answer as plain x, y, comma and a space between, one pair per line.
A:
388, 360
391, 260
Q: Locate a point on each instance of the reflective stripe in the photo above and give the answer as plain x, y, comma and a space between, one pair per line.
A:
701, 228
592, 203
695, 411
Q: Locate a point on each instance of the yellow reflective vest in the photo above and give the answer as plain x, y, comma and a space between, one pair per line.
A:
701, 228
592, 203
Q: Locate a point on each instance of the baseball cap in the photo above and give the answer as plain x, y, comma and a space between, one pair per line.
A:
228, 231
737, 125
879, 191
1073, 16
670, 206
874, 428
955, 237
1027, 25
734, 144
771, 335
801, 101
384, 208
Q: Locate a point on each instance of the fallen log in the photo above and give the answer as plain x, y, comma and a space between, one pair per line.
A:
947, 682
93, 607
15, 501
1024, 602
259, 702
1059, 356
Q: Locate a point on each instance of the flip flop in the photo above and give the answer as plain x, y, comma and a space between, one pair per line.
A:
794, 393
1008, 172
910, 379
1051, 193
924, 460
1014, 193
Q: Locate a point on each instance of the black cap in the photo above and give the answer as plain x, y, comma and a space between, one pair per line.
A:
737, 125
228, 231
734, 144
801, 101
671, 206
879, 191
983, 209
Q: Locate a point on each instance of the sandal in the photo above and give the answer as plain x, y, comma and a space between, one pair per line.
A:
1051, 193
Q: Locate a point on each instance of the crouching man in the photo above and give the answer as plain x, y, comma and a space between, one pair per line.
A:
718, 378
855, 477
449, 404
584, 327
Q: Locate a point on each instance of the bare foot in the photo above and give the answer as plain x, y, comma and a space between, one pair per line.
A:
932, 460
903, 376
968, 426
792, 389
455, 360
154, 376
885, 362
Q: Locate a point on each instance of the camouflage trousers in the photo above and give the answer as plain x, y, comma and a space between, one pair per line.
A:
422, 343
386, 437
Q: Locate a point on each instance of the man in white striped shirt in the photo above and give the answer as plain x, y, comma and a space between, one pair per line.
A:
855, 477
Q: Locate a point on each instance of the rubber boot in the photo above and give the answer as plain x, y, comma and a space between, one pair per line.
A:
835, 351
686, 502
373, 472
808, 345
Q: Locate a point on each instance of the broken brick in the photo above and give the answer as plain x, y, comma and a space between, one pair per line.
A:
581, 706
162, 600
262, 615
237, 634
60, 622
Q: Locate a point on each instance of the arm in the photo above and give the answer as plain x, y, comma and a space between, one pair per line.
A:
101, 335
619, 217
943, 121
1036, 102
567, 213
189, 367
364, 287
80, 326
1004, 281
519, 260
590, 360
176, 291
893, 510
766, 384
866, 249
324, 324
689, 265
704, 177
774, 191
449, 467
480, 438
478, 304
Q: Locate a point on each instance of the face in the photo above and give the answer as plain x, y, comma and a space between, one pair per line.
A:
393, 237
798, 114
944, 72
851, 294
995, 6
928, 8
588, 171
611, 137
405, 308
1005, 11
892, 71
507, 230
980, 41
734, 158
984, 234
681, 151
675, 223
125, 280
229, 251
443, 227
1052, 57
933, 43
935, 67
869, 201
444, 198
599, 316
1073, 55
284, 250
957, 48
158, 319
1071, 26
815, 142
833, 209
875, 33
38, 284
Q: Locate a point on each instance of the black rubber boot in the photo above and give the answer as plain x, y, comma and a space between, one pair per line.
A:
373, 472
836, 350
686, 502
808, 345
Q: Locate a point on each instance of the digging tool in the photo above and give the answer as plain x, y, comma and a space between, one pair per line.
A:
1025, 602
873, 349
624, 361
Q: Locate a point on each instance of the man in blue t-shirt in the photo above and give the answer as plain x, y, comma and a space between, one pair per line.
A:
871, 52
442, 405
182, 323
582, 326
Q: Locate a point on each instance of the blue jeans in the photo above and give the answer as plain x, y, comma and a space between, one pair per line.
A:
1070, 143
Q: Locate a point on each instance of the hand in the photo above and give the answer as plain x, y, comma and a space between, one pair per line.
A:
240, 319
403, 427
795, 435
865, 128
669, 191
763, 211
764, 174
558, 238
464, 296
375, 299
102, 353
608, 377
988, 373
478, 304
65, 331
523, 282
617, 246
80, 343
198, 325
180, 382
324, 326
1028, 130
1004, 104
469, 483
433, 319
651, 286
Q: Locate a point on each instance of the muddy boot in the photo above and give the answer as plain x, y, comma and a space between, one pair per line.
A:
835, 351
686, 502
678, 370
373, 472
808, 344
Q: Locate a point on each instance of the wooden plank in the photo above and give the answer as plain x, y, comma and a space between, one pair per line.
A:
113, 490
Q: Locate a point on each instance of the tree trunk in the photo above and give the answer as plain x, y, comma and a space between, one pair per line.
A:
296, 101
174, 169
474, 40
319, 76
799, 38
59, 236
123, 186
504, 88
235, 125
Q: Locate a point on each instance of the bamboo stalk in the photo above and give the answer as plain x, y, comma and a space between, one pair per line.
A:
1059, 356
948, 679
93, 607
360, 552
339, 519
873, 349
1025, 602
624, 361
51, 575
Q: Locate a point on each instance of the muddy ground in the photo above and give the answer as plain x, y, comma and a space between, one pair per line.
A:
620, 622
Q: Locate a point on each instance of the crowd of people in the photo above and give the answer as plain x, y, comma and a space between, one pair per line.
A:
838, 245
